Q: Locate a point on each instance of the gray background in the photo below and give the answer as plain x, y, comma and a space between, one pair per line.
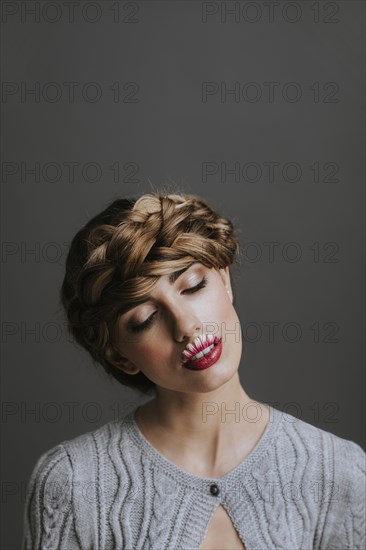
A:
168, 131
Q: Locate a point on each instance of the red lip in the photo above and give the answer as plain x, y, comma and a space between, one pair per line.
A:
206, 361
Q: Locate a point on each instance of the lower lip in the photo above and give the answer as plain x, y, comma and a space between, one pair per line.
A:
207, 360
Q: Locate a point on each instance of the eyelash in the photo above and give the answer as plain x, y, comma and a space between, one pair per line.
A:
145, 325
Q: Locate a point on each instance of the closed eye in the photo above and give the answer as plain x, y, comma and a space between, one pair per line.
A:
149, 320
200, 285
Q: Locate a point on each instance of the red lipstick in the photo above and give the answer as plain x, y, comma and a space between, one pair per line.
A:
206, 352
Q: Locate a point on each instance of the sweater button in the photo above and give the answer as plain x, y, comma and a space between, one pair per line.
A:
214, 490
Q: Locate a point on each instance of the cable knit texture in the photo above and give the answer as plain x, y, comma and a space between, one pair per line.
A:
300, 488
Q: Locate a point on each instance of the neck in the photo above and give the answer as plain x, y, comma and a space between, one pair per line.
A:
207, 430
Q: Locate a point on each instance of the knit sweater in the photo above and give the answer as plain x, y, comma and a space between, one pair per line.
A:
300, 488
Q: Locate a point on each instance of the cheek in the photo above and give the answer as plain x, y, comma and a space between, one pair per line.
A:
153, 360
150, 353
228, 321
225, 308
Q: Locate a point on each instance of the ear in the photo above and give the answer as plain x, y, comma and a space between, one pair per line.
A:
121, 362
225, 276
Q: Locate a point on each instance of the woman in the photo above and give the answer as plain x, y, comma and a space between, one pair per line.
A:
147, 292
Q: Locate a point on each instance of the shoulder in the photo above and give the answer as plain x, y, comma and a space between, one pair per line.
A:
51, 472
75, 459
336, 471
331, 472
65, 483
303, 435
335, 464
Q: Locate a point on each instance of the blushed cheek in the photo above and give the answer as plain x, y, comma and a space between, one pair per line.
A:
149, 356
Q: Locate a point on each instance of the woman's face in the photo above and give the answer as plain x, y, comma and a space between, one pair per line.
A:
152, 336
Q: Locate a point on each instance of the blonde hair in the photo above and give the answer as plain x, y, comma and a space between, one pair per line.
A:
119, 255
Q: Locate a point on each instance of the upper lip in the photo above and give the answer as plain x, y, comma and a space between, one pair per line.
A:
202, 342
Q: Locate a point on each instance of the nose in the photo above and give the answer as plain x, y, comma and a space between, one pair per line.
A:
185, 323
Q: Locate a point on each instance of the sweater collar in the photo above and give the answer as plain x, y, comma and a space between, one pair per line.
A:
257, 460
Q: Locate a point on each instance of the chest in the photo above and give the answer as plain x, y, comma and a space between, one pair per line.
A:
221, 533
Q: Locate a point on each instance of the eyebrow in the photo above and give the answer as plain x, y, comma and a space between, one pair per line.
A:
172, 278
176, 274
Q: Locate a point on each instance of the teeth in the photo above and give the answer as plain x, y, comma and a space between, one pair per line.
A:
202, 353
206, 341
197, 342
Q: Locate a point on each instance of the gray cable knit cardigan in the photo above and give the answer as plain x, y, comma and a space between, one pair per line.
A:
300, 488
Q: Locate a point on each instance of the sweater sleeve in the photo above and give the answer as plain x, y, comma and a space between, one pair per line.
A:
48, 514
347, 516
